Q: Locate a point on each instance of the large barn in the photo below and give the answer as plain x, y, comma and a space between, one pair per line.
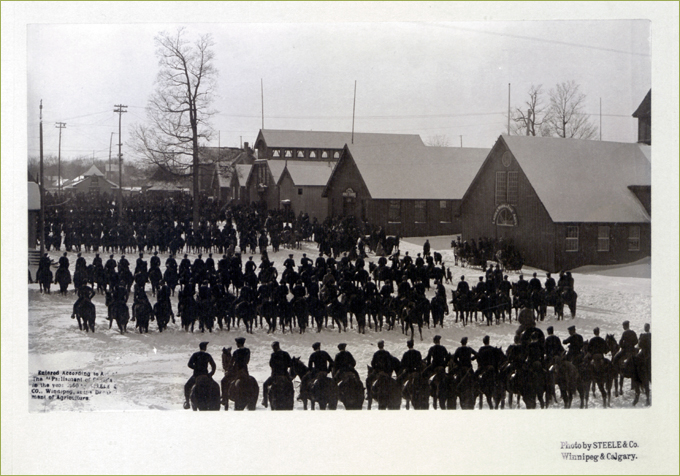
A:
301, 186
320, 145
92, 181
564, 202
409, 190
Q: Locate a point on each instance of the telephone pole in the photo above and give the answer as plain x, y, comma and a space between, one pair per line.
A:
60, 126
42, 190
110, 143
120, 111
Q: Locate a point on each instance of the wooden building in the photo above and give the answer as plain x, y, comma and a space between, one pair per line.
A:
409, 190
565, 203
92, 181
320, 145
644, 116
301, 185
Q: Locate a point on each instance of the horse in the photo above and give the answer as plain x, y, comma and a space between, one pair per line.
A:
44, 278
162, 311
187, 310
338, 312
315, 387
491, 382
439, 309
410, 315
281, 393
350, 390
118, 311
143, 312
63, 278
602, 372
567, 296
205, 394
442, 390
636, 369
245, 311
85, 310
155, 277
384, 389
299, 305
416, 391
565, 375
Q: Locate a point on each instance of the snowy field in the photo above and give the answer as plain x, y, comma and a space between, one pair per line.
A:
148, 372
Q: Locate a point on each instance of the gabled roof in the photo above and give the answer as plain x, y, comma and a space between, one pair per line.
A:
83, 178
308, 173
276, 167
418, 172
645, 107
93, 171
330, 140
242, 172
584, 180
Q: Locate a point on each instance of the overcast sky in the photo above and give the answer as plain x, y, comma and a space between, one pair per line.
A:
427, 78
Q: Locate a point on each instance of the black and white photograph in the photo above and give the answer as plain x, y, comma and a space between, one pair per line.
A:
339, 229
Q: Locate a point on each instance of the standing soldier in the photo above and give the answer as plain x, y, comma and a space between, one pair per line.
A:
199, 362
426, 248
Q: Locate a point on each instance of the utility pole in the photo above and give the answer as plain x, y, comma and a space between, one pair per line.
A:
110, 143
120, 111
354, 108
262, 99
508, 108
42, 190
60, 126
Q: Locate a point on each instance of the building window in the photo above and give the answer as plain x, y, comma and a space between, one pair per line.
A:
312, 155
276, 153
444, 212
512, 188
505, 218
602, 238
301, 154
634, 238
572, 238
336, 155
324, 154
394, 214
299, 191
262, 175
288, 153
501, 187
421, 211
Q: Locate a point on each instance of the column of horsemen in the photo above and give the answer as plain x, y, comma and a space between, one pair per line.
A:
389, 294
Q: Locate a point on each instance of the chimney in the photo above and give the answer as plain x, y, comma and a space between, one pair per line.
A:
245, 147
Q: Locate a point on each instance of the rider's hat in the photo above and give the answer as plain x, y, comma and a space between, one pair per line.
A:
437, 338
550, 329
203, 345
381, 343
342, 346
409, 342
571, 328
240, 340
78, 255
316, 345
464, 340
626, 323
275, 343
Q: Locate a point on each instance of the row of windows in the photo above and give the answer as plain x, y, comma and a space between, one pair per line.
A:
420, 215
603, 238
304, 153
506, 188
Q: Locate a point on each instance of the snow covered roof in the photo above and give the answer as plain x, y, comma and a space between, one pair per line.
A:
242, 172
308, 173
276, 167
419, 172
93, 171
585, 180
331, 140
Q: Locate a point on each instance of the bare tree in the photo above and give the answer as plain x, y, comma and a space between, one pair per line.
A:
532, 116
441, 140
566, 117
179, 108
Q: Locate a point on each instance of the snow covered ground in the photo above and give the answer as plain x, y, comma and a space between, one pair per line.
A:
148, 372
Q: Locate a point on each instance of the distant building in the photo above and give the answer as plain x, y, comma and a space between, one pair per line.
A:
92, 181
33, 212
644, 116
301, 185
409, 190
564, 203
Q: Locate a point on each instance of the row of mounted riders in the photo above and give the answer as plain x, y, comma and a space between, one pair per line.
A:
503, 252
358, 297
510, 374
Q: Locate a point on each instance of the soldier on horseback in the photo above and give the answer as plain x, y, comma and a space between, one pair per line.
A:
575, 342
319, 361
627, 343
280, 364
437, 356
382, 359
344, 361
241, 357
199, 362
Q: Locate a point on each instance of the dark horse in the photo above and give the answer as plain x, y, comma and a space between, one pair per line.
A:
118, 311
281, 393
350, 390
416, 391
568, 296
237, 386
162, 311
315, 387
84, 310
63, 279
205, 394
385, 389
